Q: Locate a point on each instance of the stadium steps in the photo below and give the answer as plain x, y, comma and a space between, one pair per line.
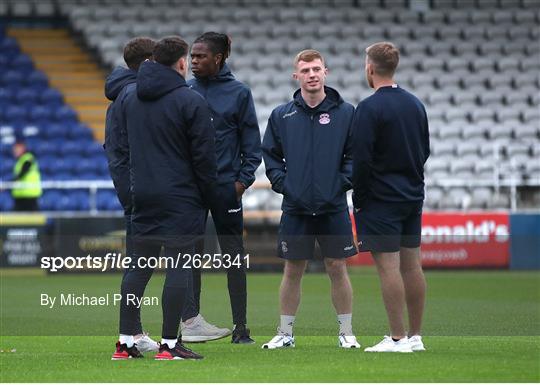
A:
70, 70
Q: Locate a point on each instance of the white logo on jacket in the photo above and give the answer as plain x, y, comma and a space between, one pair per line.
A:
289, 114
324, 118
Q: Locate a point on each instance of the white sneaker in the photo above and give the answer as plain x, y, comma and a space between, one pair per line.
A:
416, 343
281, 340
146, 344
389, 345
199, 331
347, 342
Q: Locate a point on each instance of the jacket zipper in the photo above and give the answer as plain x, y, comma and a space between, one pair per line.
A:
312, 166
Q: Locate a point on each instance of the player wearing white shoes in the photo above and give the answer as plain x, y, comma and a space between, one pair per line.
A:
391, 146
306, 150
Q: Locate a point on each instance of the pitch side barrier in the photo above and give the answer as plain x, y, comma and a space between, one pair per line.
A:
68, 242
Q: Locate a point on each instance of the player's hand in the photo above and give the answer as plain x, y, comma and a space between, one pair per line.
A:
240, 188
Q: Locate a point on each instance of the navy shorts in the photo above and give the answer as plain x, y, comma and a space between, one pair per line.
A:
333, 232
386, 226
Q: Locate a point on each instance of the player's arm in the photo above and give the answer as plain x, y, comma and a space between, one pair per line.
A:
117, 151
273, 156
250, 141
364, 126
427, 150
347, 161
201, 134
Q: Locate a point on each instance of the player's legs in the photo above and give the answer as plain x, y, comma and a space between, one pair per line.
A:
174, 292
290, 288
393, 291
341, 285
133, 285
227, 215
415, 287
194, 327
296, 245
289, 300
411, 267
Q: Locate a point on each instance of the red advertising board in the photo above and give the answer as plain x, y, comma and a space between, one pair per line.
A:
454, 239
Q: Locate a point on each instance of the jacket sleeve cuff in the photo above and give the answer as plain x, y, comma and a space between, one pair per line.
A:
246, 182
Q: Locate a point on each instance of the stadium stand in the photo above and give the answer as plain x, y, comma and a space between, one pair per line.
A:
65, 148
475, 64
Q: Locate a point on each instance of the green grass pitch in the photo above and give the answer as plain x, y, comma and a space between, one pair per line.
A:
480, 326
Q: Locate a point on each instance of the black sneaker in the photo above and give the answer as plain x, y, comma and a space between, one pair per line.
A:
179, 352
240, 335
124, 353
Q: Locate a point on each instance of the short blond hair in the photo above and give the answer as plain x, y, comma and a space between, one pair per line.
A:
385, 58
308, 55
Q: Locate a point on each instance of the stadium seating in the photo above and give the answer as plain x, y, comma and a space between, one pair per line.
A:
475, 64
65, 149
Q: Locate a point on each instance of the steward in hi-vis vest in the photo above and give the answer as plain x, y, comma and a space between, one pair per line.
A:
26, 170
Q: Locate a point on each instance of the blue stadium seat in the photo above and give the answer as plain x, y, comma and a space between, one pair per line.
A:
51, 97
65, 114
12, 78
6, 167
22, 63
5, 95
85, 165
61, 176
15, 114
6, 201
27, 96
61, 166
80, 199
9, 47
5, 150
94, 149
46, 147
107, 200
50, 199
37, 80
79, 131
70, 147
47, 164
55, 131
67, 203
40, 114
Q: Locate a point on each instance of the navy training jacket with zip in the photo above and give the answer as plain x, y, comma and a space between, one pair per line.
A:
116, 144
238, 139
307, 154
172, 154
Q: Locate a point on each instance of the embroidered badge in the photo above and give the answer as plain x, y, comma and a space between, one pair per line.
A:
324, 118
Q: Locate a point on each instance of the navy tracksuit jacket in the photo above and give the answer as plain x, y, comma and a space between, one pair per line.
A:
238, 139
172, 153
116, 145
391, 145
307, 153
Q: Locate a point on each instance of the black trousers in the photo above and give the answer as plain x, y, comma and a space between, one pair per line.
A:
26, 204
175, 288
227, 215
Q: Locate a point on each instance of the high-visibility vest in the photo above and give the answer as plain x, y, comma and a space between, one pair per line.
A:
32, 178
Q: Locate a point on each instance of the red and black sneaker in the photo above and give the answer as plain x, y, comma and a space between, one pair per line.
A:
179, 352
123, 352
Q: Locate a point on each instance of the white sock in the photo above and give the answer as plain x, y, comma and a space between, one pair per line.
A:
128, 340
345, 324
286, 324
170, 343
